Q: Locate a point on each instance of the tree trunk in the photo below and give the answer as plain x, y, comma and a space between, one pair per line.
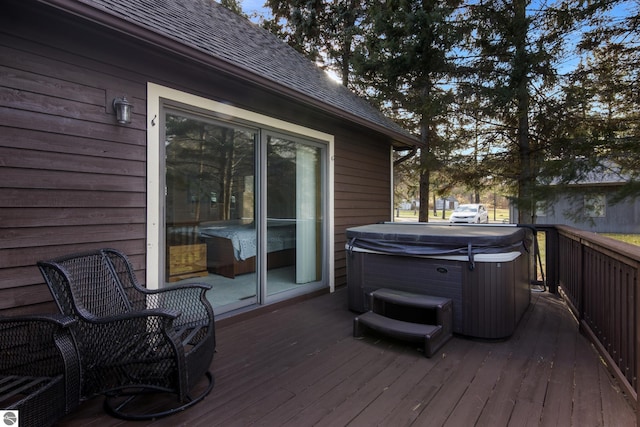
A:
521, 79
423, 215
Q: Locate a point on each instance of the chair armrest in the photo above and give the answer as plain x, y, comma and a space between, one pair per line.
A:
189, 300
164, 313
41, 346
55, 318
29, 344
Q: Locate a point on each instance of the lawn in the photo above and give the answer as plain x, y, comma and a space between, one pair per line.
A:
634, 239
501, 215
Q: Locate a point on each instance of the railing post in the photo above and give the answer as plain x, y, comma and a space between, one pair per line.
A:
552, 255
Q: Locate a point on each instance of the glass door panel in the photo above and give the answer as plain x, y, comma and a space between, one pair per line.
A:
210, 227
294, 234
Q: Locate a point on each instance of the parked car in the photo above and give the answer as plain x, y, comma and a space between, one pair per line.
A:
470, 214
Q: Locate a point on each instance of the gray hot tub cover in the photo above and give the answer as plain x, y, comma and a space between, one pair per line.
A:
437, 239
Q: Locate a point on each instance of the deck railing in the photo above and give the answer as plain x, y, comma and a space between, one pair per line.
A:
598, 276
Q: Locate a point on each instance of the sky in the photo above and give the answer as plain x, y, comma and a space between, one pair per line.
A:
250, 7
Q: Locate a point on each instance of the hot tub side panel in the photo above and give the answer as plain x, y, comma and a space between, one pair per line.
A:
496, 295
356, 294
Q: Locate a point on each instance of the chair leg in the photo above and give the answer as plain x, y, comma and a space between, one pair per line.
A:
126, 405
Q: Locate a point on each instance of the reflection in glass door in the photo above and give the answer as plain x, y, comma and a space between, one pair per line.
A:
210, 228
294, 205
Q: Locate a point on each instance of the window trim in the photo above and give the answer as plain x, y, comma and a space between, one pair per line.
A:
156, 95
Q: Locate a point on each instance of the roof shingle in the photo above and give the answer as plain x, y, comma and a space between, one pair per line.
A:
210, 28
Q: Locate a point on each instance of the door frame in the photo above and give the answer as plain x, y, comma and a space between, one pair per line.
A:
156, 96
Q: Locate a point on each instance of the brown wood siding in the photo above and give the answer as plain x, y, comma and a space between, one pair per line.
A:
73, 179
362, 190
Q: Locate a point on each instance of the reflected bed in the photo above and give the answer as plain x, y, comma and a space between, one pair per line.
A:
232, 249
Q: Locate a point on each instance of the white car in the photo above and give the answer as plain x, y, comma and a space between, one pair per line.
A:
470, 214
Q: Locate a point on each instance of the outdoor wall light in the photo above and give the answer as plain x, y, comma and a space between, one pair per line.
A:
122, 108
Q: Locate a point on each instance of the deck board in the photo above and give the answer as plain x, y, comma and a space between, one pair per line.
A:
522, 354
558, 404
451, 391
299, 365
587, 406
451, 358
530, 398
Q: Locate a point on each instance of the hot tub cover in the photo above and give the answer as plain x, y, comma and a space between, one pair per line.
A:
437, 239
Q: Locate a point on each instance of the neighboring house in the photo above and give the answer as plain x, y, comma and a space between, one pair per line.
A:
242, 165
588, 205
449, 203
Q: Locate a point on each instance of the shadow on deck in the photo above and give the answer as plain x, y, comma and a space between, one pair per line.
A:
299, 366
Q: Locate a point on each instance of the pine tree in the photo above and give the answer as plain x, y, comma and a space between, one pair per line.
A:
234, 6
516, 51
403, 64
323, 30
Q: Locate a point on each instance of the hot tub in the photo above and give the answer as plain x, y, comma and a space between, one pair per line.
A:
485, 270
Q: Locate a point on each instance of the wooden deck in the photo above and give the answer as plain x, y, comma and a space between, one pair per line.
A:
300, 366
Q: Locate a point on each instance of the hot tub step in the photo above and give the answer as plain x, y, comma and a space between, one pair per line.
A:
432, 335
409, 316
409, 299
413, 307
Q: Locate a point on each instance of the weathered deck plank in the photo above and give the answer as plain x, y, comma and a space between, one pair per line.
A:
300, 366
522, 355
587, 406
529, 400
453, 356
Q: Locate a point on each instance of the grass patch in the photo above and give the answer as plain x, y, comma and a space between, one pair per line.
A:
501, 215
634, 239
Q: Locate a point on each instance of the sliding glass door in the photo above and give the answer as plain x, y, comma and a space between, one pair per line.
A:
243, 204
210, 225
294, 212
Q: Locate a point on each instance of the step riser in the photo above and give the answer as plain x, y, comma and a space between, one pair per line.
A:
433, 336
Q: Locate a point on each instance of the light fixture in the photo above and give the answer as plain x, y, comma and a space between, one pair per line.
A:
122, 108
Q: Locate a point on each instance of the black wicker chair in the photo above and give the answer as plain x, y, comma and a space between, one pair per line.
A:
133, 341
39, 369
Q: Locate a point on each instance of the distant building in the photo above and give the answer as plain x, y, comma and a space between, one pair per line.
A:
449, 203
588, 205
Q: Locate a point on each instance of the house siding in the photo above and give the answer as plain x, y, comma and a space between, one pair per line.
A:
72, 179
362, 190
622, 217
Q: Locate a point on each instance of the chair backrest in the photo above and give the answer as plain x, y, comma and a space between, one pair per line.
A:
87, 281
123, 269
